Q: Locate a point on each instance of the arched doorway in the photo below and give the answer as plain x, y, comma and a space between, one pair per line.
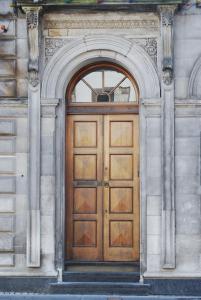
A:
102, 165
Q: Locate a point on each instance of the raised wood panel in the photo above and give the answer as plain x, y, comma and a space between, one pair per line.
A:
85, 134
121, 234
85, 167
121, 134
85, 200
121, 167
121, 200
84, 234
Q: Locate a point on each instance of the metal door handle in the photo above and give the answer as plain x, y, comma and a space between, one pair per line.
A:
106, 184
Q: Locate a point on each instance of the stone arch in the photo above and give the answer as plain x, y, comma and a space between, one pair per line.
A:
88, 49
194, 88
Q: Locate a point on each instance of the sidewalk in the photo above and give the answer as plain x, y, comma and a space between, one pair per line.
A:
88, 297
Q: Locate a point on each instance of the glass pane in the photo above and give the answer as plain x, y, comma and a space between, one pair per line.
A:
104, 85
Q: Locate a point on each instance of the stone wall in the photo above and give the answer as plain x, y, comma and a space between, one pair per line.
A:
59, 31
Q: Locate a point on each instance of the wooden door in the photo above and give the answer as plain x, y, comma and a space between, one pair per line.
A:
121, 199
84, 190
102, 187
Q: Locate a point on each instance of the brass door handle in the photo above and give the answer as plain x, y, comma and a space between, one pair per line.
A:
106, 184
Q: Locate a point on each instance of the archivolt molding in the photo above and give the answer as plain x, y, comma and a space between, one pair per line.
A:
81, 52
194, 88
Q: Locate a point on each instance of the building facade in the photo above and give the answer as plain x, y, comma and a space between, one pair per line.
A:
113, 180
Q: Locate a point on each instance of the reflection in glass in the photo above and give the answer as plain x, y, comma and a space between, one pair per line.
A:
104, 85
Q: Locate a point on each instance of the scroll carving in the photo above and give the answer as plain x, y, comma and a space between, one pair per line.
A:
32, 17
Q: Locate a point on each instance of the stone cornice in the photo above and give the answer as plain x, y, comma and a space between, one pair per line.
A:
137, 6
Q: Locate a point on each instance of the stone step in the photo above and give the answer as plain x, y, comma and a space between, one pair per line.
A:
100, 288
101, 277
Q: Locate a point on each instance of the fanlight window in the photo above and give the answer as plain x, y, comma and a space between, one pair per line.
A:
104, 84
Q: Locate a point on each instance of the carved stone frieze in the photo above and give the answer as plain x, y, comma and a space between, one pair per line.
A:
52, 45
100, 24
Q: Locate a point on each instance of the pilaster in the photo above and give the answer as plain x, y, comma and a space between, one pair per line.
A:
33, 215
168, 131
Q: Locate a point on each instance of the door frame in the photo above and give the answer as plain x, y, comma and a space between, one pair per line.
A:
98, 109
59, 70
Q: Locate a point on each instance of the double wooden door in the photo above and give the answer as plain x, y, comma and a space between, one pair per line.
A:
102, 188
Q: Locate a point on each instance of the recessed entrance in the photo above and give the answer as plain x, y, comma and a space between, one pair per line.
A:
102, 183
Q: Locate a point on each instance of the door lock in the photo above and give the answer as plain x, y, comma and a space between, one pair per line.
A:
106, 184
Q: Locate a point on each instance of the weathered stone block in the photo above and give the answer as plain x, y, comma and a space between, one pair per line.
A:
153, 225
47, 185
153, 263
21, 144
188, 214
21, 164
22, 127
6, 223
7, 67
22, 88
6, 242
181, 87
47, 205
154, 205
7, 47
7, 164
57, 32
187, 146
187, 165
22, 68
7, 204
7, 184
47, 126
7, 145
47, 144
153, 147
7, 127
47, 244
153, 186
187, 184
21, 28
6, 259
154, 166
187, 127
7, 88
153, 244
153, 127
47, 165
22, 48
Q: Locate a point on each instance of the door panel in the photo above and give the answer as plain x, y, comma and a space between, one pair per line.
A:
102, 187
84, 195
121, 208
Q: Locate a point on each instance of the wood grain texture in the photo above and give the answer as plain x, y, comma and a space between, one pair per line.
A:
102, 187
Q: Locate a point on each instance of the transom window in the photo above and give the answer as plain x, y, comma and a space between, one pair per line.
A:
103, 83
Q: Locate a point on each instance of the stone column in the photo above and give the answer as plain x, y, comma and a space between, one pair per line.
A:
33, 215
168, 131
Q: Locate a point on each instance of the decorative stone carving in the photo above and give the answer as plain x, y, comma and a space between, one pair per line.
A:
32, 17
52, 45
167, 76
